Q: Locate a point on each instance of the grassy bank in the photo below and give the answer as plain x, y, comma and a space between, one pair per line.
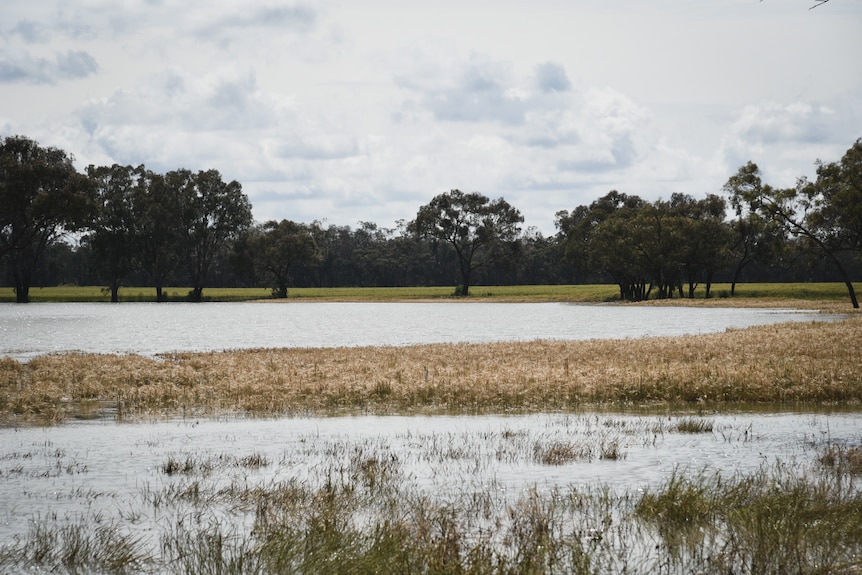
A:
830, 292
794, 363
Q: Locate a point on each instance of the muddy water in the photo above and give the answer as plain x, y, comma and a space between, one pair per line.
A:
117, 471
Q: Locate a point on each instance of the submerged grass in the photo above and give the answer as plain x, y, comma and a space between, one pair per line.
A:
694, 425
771, 521
767, 522
789, 364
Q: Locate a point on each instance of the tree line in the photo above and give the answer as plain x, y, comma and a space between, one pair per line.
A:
127, 225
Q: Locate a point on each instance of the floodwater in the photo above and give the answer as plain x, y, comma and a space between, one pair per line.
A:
108, 471
27, 331
115, 471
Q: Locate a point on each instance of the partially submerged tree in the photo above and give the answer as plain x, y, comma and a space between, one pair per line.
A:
476, 227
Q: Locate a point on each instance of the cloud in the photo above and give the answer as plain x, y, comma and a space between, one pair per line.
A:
791, 134
552, 77
773, 122
21, 67
30, 31
480, 91
235, 26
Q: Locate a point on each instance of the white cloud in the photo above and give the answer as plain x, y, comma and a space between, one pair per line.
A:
21, 66
364, 111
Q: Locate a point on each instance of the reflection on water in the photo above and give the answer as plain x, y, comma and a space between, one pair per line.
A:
117, 470
148, 328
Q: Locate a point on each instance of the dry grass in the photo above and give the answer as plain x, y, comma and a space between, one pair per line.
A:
819, 362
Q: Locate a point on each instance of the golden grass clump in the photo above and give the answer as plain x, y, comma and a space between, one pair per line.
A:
816, 362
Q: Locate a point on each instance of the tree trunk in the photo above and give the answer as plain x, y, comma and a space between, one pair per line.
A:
465, 275
736, 273
22, 286
846, 279
115, 292
22, 293
160, 295
852, 293
197, 294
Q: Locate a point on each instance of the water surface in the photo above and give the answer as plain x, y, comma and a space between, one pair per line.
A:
35, 329
116, 470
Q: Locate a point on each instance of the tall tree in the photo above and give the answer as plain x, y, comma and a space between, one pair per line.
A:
212, 212
603, 238
112, 236
705, 237
752, 237
42, 196
472, 224
156, 212
826, 214
276, 248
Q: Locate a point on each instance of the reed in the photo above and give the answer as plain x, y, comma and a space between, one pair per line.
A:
775, 520
790, 364
88, 545
772, 521
694, 425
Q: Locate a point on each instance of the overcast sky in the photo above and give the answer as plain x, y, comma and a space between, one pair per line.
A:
363, 110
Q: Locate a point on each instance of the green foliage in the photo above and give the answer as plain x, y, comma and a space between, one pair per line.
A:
42, 196
276, 247
180, 227
649, 245
825, 215
480, 230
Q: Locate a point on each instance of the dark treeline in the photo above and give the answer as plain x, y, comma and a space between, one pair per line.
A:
126, 225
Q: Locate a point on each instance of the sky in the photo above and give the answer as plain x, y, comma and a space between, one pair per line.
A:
347, 111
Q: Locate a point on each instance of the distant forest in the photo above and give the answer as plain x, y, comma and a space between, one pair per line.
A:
126, 225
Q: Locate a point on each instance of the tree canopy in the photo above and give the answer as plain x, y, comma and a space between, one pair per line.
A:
826, 214
41, 197
476, 227
118, 224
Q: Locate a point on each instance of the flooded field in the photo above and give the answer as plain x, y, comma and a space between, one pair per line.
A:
152, 484
189, 463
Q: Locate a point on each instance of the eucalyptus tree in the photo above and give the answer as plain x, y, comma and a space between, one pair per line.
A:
705, 238
826, 214
752, 237
604, 236
276, 248
42, 196
479, 229
212, 212
156, 212
113, 228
